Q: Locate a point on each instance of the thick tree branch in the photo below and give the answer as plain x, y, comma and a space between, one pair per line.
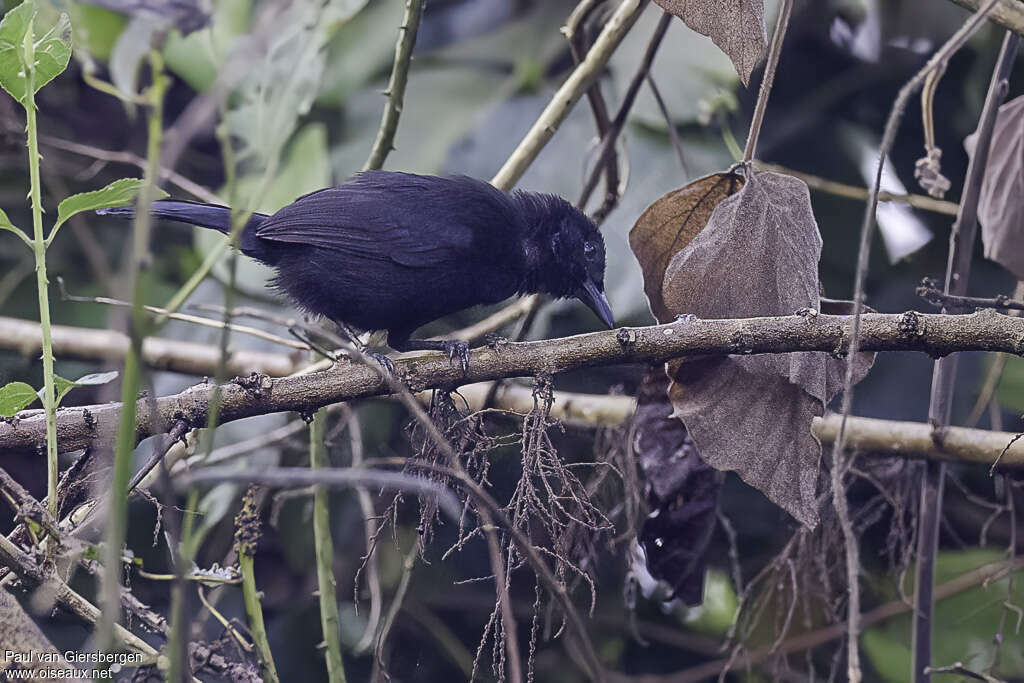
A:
258, 395
82, 343
865, 434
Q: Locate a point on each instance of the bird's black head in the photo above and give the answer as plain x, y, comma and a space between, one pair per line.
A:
565, 252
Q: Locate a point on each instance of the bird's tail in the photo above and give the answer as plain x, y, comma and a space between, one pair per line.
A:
194, 213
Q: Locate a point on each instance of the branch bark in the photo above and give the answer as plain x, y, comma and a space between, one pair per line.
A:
934, 334
864, 434
83, 343
1008, 13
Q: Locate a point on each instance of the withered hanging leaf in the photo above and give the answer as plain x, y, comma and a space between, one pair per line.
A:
669, 224
682, 493
1001, 204
735, 26
758, 256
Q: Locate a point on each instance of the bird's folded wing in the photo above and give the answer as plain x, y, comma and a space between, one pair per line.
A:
372, 225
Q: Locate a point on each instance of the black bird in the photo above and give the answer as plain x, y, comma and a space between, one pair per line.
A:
394, 251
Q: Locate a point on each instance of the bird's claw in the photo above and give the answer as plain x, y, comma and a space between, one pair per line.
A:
383, 361
458, 350
494, 340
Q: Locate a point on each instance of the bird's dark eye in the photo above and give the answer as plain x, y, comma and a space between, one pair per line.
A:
589, 249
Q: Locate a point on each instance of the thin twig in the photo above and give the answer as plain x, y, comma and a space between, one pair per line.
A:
867, 229
355, 433
673, 134
569, 93
928, 291
384, 142
617, 124
184, 317
958, 270
575, 31
194, 189
992, 379
918, 201
293, 477
774, 50
159, 451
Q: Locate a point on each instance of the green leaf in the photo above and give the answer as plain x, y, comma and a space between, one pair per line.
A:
96, 379
5, 224
968, 619
118, 193
14, 397
52, 50
63, 386
1011, 385
13, 28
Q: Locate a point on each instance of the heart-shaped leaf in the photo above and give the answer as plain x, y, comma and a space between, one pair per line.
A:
669, 224
118, 193
15, 396
735, 26
1000, 209
757, 256
51, 52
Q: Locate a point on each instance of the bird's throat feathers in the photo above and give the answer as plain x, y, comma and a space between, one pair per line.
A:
556, 233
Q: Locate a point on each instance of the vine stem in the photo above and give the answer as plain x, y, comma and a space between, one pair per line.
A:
863, 259
117, 520
384, 142
958, 269
781, 24
42, 284
324, 549
569, 93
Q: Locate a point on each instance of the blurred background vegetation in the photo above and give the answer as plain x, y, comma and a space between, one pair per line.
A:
483, 71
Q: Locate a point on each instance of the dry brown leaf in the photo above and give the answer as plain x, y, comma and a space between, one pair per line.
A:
758, 256
1001, 204
735, 26
669, 224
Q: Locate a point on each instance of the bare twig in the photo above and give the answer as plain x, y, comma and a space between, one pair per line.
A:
291, 477
918, 201
1007, 13
169, 314
611, 136
958, 270
191, 358
576, 32
194, 189
384, 142
673, 134
867, 229
565, 97
774, 50
928, 290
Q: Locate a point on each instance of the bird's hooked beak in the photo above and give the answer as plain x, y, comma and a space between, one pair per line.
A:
595, 299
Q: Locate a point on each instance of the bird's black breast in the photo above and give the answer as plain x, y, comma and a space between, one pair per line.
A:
395, 251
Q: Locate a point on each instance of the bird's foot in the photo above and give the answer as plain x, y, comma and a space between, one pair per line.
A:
383, 361
494, 340
458, 350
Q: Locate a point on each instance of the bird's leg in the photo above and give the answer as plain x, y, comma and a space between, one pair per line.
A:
453, 348
306, 339
353, 337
